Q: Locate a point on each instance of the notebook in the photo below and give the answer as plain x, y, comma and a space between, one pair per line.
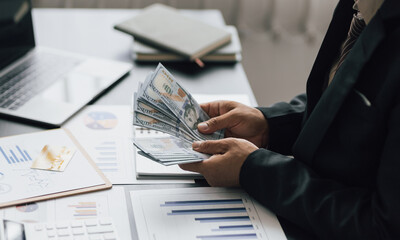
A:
231, 52
165, 28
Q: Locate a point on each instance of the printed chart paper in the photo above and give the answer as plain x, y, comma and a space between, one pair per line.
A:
18, 181
105, 132
109, 203
202, 214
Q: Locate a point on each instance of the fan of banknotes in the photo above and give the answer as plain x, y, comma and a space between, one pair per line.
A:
162, 104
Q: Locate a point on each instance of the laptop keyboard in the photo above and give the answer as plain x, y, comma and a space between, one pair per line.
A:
33, 76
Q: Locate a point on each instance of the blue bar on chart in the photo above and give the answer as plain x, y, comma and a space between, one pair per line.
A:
207, 211
228, 236
16, 155
234, 228
22, 154
202, 202
223, 219
13, 154
5, 156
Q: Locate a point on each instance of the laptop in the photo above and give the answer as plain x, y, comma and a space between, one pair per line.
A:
41, 84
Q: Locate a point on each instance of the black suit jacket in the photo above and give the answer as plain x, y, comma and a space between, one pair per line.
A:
343, 181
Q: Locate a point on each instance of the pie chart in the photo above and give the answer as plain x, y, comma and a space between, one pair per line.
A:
29, 207
100, 120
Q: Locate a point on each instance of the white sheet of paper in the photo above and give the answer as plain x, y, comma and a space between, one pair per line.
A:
202, 213
105, 131
108, 203
19, 181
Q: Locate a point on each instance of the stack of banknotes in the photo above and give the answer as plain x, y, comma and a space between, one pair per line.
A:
162, 104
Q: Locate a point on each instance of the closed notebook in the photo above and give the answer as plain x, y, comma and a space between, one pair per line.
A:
164, 27
229, 53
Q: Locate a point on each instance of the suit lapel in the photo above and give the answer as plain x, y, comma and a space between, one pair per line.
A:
330, 102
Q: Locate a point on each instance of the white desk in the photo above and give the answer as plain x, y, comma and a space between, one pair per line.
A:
91, 32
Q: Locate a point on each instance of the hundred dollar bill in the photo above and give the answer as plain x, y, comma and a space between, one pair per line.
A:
180, 102
169, 146
169, 163
148, 95
146, 109
143, 99
148, 122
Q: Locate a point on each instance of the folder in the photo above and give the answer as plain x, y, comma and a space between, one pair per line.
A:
19, 183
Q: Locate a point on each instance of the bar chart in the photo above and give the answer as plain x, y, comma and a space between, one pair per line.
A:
226, 213
106, 153
200, 216
224, 210
83, 207
106, 156
15, 154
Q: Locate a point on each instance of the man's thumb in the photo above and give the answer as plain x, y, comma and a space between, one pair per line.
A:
211, 146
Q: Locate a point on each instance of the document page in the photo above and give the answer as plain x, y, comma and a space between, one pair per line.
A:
103, 204
19, 181
105, 131
202, 214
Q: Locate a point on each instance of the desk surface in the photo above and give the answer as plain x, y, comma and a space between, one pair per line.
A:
91, 32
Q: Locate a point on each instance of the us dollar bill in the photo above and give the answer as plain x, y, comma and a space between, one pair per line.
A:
150, 111
141, 98
180, 102
169, 150
142, 120
168, 163
147, 94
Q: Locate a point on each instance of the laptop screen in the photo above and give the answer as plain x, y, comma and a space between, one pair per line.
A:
16, 30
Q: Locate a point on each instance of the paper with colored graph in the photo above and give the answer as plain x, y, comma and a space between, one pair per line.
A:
202, 214
18, 181
100, 204
105, 131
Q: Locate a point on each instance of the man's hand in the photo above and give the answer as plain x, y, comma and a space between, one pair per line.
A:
239, 120
223, 168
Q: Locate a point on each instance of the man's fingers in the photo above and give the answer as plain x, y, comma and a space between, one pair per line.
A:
216, 108
211, 146
216, 123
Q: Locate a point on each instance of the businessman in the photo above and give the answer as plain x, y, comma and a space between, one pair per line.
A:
329, 160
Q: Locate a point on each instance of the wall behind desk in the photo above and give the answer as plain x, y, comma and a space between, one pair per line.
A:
280, 38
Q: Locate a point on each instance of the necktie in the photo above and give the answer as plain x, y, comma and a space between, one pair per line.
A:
356, 27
